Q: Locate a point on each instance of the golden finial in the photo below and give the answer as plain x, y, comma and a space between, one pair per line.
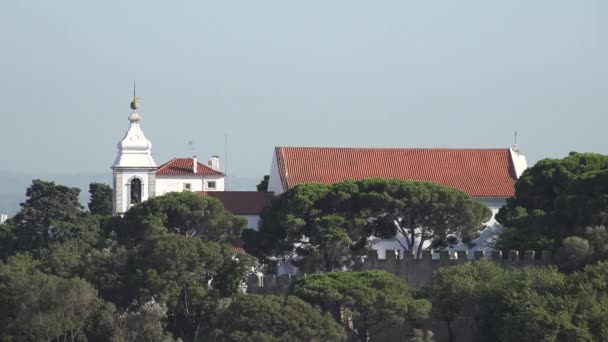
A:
134, 104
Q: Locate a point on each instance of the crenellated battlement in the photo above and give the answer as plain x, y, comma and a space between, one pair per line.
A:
416, 272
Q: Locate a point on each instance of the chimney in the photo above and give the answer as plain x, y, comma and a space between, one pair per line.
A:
214, 163
194, 165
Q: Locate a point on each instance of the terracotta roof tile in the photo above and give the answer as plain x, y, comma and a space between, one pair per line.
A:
477, 172
238, 250
184, 167
241, 202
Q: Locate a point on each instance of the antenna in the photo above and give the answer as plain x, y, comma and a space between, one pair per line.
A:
226, 154
191, 147
133, 88
515, 138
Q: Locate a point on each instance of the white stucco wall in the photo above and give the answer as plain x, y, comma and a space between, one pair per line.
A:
486, 240
274, 182
519, 161
166, 184
252, 221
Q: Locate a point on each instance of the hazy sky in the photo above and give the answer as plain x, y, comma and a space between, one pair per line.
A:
308, 73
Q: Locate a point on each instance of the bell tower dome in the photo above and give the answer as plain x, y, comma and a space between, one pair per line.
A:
134, 168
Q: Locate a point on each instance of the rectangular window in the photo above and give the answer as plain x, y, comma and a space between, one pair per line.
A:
187, 187
211, 185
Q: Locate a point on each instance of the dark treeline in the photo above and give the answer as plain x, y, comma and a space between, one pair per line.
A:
168, 270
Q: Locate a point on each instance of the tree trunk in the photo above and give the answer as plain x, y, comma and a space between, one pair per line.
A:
363, 335
363, 331
198, 326
419, 251
451, 335
412, 241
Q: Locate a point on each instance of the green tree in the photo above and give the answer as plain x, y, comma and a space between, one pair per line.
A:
372, 301
422, 211
331, 226
143, 325
253, 318
464, 291
537, 306
288, 224
111, 268
574, 252
555, 199
263, 184
578, 251
52, 213
189, 276
101, 199
8, 240
589, 290
38, 307
183, 213
64, 259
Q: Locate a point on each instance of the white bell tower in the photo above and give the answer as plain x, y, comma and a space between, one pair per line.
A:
134, 168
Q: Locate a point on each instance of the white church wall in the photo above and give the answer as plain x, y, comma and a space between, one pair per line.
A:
494, 204
274, 182
166, 184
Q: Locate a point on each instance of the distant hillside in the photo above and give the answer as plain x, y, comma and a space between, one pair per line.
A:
13, 186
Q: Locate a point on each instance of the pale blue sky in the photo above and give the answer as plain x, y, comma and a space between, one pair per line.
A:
314, 73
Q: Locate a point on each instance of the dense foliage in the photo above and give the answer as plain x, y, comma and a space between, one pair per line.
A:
365, 303
328, 227
251, 318
157, 274
101, 199
556, 199
522, 304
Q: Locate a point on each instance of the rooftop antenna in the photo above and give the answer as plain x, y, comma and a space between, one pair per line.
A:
225, 154
515, 146
191, 147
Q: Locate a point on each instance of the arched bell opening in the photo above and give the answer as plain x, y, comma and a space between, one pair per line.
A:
135, 191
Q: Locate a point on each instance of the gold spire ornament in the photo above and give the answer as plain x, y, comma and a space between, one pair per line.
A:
134, 104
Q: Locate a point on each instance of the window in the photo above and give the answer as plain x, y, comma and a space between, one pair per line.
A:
211, 185
187, 187
135, 191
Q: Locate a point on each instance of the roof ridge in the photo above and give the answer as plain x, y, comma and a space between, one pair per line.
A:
173, 167
165, 164
396, 148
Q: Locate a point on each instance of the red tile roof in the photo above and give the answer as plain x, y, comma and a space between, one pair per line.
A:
238, 250
241, 202
183, 167
477, 172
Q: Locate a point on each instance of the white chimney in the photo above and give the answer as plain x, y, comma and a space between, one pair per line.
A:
194, 165
3, 218
214, 163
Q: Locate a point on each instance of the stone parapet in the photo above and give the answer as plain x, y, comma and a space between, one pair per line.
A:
415, 271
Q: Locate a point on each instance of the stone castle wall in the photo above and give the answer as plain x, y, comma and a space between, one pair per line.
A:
415, 272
